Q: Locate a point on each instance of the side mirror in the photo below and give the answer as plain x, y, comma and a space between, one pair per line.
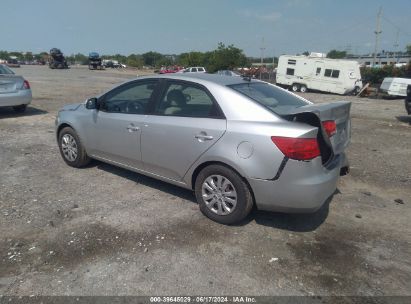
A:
91, 103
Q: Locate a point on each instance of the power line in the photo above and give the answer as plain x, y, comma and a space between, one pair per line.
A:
396, 26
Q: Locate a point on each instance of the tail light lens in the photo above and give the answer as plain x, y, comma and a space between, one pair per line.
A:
330, 127
26, 85
297, 148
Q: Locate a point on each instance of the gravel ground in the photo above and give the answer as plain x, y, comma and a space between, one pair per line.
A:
107, 231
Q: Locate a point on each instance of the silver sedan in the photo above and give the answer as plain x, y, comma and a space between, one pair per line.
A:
14, 90
237, 142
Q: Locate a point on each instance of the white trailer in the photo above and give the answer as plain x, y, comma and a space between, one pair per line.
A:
395, 86
302, 73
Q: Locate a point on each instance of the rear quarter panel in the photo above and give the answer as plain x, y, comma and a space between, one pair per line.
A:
247, 147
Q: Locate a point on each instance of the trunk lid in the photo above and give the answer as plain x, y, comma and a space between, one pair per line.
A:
336, 111
10, 83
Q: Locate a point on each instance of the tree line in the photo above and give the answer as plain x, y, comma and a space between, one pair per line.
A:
223, 57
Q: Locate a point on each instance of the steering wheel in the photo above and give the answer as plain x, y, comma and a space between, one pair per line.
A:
135, 107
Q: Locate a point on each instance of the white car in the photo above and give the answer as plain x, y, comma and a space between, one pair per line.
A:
194, 70
14, 90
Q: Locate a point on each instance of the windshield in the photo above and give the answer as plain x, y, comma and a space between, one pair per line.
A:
5, 70
275, 99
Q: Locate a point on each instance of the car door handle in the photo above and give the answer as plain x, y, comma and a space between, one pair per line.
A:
132, 128
204, 137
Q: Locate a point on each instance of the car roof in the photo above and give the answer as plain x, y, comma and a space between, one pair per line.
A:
206, 78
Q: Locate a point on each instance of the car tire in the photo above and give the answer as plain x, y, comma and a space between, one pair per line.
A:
303, 88
295, 87
222, 209
20, 108
71, 149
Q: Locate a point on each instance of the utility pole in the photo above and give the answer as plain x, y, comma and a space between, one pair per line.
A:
272, 71
262, 48
396, 47
377, 34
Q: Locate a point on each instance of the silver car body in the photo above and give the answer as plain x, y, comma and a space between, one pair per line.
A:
12, 92
174, 149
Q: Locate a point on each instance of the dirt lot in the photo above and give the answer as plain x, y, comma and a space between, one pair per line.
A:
107, 231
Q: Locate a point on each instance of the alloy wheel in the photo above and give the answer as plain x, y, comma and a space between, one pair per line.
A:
69, 147
219, 194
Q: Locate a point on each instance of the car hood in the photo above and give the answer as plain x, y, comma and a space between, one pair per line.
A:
71, 107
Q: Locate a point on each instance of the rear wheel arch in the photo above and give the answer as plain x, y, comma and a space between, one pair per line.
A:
200, 167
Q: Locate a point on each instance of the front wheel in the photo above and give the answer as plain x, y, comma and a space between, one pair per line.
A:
223, 195
71, 148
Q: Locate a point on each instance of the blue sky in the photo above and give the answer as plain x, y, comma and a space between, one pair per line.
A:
175, 26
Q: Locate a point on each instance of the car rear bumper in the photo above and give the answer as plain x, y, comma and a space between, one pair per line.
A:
20, 97
302, 187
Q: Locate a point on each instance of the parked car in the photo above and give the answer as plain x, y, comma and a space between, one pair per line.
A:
408, 100
237, 142
194, 70
109, 63
169, 70
13, 63
227, 73
14, 90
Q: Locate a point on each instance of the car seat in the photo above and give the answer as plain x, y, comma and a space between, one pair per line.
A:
176, 103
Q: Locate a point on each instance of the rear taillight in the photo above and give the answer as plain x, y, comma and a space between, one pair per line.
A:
330, 127
26, 85
297, 148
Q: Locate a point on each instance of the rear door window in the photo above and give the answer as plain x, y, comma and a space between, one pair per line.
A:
270, 96
187, 100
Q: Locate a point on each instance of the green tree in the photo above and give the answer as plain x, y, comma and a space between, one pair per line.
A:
334, 54
81, 59
28, 56
226, 58
4, 55
191, 59
408, 48
152, 58
135, 61
19, 55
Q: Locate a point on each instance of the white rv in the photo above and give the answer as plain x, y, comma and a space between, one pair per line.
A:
395, 86
314, 72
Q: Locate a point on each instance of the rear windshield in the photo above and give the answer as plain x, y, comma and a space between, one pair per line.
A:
273, 98
5, 70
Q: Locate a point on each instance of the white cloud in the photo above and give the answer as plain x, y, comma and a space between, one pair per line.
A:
274, 16
298, 3
269, 17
